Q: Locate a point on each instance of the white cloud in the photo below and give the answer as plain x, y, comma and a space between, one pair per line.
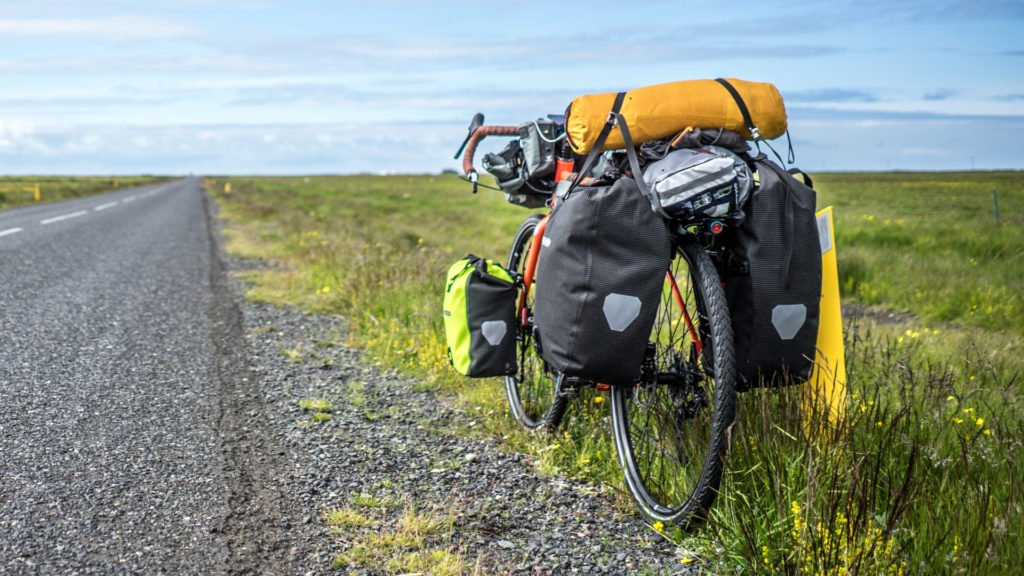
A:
115, 28
823, 141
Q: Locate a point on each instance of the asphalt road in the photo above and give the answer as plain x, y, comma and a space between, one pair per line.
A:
120, 449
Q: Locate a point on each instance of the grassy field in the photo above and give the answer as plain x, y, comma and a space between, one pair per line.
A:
925, 474
928, 244
21, 190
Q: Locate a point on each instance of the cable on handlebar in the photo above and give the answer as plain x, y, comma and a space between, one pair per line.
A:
478, 183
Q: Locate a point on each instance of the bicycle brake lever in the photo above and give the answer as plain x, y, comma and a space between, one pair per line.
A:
478, 121
474, 178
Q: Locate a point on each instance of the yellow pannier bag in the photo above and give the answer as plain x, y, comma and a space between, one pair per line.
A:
660, 111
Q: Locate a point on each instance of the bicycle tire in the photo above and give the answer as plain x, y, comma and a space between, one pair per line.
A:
670, 436
533, 394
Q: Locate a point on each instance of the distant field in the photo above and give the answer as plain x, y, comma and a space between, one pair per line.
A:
21, 190
928, 244
926, 476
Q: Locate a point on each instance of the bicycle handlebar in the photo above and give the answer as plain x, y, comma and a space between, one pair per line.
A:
478, 135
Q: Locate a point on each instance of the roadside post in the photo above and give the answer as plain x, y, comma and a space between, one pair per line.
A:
38, 193
825, 394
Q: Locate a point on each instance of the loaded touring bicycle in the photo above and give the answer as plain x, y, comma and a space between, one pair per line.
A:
656, 230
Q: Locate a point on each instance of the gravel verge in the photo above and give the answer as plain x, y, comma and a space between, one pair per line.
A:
386, 440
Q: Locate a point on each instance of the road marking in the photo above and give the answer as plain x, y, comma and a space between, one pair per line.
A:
129, 199
64, 217
105, 206
9, 231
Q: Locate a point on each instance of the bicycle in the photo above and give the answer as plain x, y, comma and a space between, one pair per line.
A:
671, 428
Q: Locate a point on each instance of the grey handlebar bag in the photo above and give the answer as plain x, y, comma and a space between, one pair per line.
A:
690, 184
599, 281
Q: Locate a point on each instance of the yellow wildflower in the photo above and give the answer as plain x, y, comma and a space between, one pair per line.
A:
958, 420
980, 421
986, 432
658, 526
598, 399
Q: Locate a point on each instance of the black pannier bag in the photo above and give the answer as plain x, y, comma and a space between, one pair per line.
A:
479, 317
772, 275
599, 280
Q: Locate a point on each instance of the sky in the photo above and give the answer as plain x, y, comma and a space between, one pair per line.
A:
304, 87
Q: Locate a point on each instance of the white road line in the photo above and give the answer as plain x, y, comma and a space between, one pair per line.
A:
129, 199
105, 206
9, 231
64, 217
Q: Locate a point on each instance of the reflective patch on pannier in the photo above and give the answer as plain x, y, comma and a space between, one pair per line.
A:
494, 331
620, 310
788, 319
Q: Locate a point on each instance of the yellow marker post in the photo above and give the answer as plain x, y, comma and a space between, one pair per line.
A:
39, 193
826, 389
227, 187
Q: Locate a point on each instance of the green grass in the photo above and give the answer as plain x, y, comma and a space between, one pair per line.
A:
910, 482
20, 190
415, 541
928, 244
316, 405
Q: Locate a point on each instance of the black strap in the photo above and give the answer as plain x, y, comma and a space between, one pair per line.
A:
595, 152
634, 164
751, 127
803, 176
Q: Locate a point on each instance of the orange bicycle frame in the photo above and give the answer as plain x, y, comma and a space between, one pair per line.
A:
531, 266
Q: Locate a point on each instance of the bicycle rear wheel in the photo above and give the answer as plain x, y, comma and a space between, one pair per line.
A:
672, 428
533, 391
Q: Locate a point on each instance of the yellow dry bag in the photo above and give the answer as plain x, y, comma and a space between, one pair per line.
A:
752, 109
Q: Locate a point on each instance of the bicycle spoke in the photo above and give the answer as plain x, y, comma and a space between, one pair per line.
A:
666, 425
